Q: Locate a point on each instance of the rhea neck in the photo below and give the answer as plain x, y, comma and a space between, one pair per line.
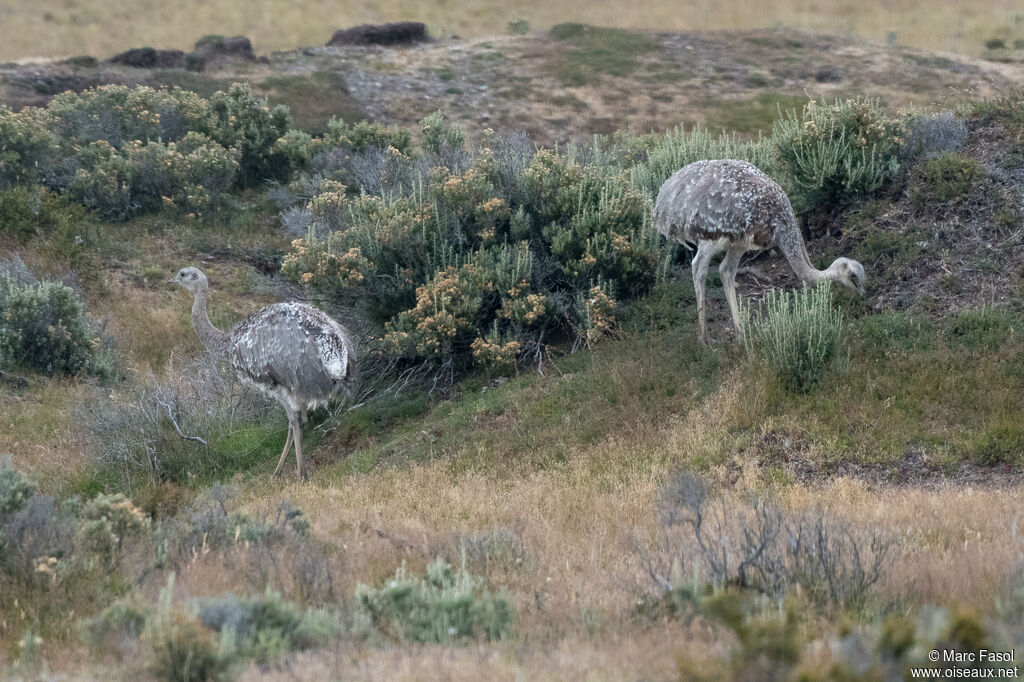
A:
214, 339
791, 244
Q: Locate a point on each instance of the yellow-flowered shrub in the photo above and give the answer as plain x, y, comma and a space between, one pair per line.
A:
482, 258
831, 153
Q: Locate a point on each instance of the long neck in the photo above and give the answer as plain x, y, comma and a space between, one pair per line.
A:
214, 339
792, 246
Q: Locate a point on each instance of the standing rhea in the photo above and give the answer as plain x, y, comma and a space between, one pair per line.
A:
731, 206
292, 352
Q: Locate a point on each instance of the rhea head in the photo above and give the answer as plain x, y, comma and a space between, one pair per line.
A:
192, 279
849, 273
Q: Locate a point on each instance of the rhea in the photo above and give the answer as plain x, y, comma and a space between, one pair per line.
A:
732, 207
292, 352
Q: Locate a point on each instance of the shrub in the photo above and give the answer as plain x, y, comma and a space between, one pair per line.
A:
27, 147
799, 335
115, 629
268, 627
119, 114
439, 138
479, 260
43, 326
930, 134
831, 154
190, 424
758, 546
15, 490
445, 606
519, 27
365, 135
947, 177
237, 119
180, 649
107, 520
985, 327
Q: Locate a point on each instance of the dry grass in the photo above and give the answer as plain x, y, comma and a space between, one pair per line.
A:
53, 28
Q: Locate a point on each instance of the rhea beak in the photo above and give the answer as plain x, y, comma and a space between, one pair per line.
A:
860, 289
172, 280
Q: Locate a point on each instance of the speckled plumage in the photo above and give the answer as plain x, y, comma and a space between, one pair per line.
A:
733, 207
292, 352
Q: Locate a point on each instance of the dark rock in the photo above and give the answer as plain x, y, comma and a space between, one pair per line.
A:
213, 48
828, 74
49, 82
83, 61
399, 33
150, 58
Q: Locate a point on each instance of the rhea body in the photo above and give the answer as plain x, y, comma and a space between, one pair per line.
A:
731, 207
292, 352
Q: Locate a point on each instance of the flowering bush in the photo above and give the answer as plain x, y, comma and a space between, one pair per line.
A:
237, 119
480, 260
123, 150
832, 153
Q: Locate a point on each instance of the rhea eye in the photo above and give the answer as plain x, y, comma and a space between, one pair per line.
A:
193, 275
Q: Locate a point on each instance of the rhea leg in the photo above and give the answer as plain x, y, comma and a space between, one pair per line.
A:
296, 424
730, 264
287, 446
705, 250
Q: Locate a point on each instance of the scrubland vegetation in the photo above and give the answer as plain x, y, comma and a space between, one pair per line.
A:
52, 29
543, 475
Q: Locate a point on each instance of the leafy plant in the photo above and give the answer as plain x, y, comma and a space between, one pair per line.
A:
832, 154
44, 326
799, 335
267, 627
947, 177
445, 606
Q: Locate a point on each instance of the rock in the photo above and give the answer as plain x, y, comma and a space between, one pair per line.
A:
828, 74
399, 33
212, 48
150, 58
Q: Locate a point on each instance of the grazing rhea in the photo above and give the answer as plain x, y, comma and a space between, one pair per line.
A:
731, 206
292, 352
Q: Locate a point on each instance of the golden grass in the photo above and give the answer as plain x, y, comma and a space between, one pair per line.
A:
54, 28
576, 592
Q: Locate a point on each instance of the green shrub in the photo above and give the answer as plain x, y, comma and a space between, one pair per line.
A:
107, 520
28, 148
947, 177
119, 114
267, 627
985, 327
365, 135
519, 27
43, 326
116, 628
480, 264
237, 119
439, 137
799, 335
445, 606
831, 154
15, 490
182, 650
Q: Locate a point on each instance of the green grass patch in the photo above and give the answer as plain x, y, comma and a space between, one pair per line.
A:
753, 114
313, 99
592, 52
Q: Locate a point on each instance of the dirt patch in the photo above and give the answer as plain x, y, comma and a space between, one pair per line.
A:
786, 451
569, 85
